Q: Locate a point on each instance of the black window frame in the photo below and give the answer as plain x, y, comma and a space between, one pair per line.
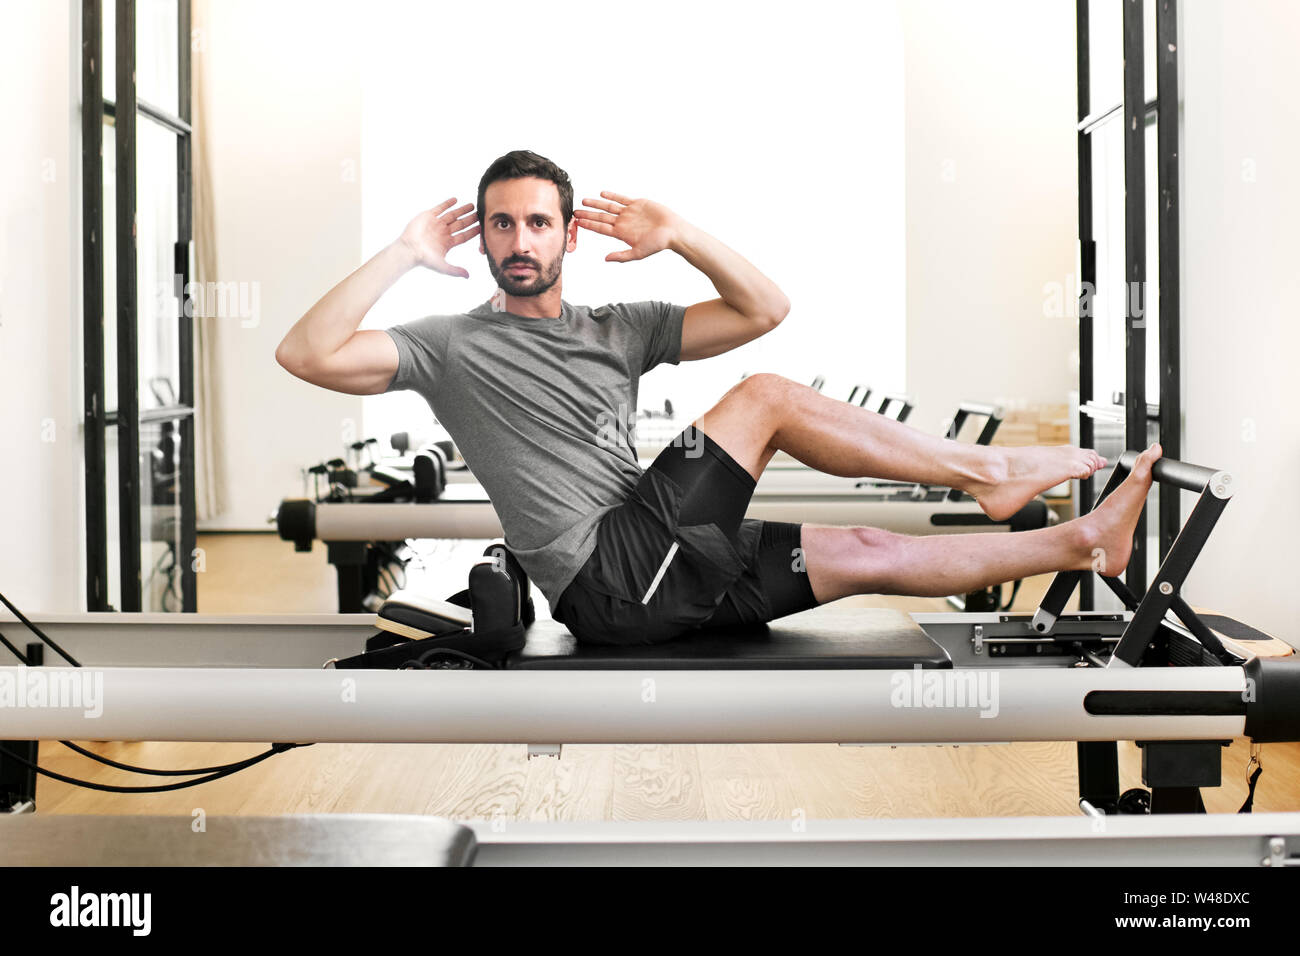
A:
1135, 111
125, 110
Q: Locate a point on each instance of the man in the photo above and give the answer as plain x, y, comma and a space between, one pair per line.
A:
527, 385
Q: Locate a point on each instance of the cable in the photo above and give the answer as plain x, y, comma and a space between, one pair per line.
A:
213, 772
224, 772
420, 665
14, 651
108, 762
39, 633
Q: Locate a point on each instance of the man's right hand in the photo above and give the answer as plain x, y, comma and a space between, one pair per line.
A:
435, 232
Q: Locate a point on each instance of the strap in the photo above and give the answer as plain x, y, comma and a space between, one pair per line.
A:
1252, 778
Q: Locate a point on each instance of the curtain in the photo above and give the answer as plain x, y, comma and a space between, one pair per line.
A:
210, 479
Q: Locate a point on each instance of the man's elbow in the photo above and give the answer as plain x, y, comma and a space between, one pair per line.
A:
775, 317
291, 359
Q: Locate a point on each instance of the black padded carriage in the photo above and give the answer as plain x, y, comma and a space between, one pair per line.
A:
862, 638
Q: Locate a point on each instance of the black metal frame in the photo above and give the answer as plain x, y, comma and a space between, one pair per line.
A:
1135, 264
1098, 761
185, 338
903, 404
1171, 396
128, 345
92, 259
125, 108
1135, 110
1175, 770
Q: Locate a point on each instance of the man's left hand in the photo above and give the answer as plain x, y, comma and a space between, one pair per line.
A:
647, 227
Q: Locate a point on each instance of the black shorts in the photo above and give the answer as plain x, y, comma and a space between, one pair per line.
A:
680, 554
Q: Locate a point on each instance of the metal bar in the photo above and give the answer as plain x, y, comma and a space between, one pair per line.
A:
1054, 601
1171, 409
1063, 585
184, 243
128, 399
1218, 839
1121, 591
1108, 412
1088, 124
92, 291
991, 426
158, 639
1169, 579
1098, 764
475, 517
175, 123
1135, 265
903, 402
167, 413
1087, 269
162, 117
955, 427
557, 707
1181, 474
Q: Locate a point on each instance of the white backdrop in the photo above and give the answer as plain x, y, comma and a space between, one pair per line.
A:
779, 134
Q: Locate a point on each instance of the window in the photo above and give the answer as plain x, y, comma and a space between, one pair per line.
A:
139, 377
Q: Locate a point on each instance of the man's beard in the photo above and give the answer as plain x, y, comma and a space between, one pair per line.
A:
535, 283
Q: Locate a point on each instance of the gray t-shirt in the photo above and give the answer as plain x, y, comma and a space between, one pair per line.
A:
539, 409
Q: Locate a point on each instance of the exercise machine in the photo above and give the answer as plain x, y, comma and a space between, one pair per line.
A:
1180, 683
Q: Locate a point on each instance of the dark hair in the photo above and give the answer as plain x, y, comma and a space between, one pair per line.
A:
522, 163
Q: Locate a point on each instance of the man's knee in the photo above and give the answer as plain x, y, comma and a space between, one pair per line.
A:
762, 387
877, 554
759, 399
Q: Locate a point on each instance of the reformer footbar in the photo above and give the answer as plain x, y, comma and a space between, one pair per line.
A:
1215, 490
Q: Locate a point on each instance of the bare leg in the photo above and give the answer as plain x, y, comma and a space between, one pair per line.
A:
844, 561
766, 413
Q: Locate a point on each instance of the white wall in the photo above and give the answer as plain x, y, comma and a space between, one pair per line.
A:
991, 209
42, 561
1241, 283
284, 122
778, 130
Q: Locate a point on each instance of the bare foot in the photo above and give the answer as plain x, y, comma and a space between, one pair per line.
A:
1021, 473
1107, 538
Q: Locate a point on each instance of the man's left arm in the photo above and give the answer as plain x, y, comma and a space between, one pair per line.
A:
750, 303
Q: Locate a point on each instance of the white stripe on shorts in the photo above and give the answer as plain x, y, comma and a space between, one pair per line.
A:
654, 585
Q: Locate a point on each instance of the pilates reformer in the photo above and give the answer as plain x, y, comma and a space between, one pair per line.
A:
1180, 683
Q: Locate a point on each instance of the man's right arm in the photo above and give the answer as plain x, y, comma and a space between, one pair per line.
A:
325, 348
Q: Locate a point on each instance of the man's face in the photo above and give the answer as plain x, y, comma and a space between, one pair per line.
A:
524, 236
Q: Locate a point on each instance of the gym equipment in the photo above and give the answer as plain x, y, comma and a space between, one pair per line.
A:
360, 535
1180, 687
1271, 839
325, 839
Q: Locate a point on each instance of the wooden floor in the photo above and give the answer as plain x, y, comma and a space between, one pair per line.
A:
260, 573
